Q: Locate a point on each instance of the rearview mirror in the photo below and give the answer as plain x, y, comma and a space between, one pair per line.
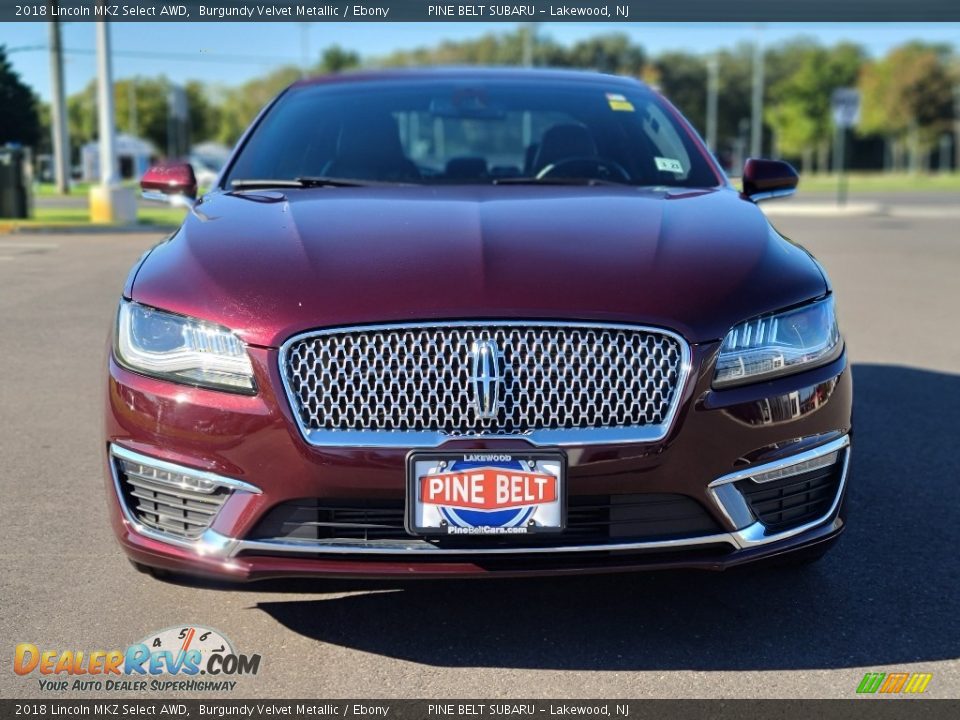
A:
766, 179
174, 183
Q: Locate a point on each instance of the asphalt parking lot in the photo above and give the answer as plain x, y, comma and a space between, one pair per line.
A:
886, 599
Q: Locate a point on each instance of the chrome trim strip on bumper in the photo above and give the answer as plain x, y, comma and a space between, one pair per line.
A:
231, 483
214, 544
430, 439
422, 547
783, 463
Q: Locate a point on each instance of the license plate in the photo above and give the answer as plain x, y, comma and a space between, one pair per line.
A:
485, 493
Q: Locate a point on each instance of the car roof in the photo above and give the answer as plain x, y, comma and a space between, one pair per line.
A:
470, 73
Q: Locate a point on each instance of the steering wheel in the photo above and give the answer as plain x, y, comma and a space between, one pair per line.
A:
599, 168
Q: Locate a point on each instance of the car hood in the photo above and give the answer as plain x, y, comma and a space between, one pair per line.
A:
270, 264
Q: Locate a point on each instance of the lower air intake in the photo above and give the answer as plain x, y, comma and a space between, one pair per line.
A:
591, 519
794, 500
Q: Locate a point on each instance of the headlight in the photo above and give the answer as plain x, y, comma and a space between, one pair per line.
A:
779, 344
181, 349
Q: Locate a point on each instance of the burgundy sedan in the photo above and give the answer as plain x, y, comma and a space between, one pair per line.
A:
467, 323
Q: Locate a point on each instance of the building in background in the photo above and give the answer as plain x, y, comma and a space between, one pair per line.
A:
135, 156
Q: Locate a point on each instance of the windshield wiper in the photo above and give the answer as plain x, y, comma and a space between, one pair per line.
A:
324, 181
300, 182
557, 181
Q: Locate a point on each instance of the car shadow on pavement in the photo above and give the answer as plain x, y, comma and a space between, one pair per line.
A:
886, 594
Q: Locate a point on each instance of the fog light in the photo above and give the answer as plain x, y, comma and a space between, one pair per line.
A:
172, 502
796, 469
181, 481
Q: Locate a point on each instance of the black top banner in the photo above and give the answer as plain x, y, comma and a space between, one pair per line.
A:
530, 11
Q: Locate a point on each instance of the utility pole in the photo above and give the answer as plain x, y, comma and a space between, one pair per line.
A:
58, 111
529, 42
713, 91
840, 163
956, 128
529, 31
756, 120
108, 140
109, 201
304, 48
943, 160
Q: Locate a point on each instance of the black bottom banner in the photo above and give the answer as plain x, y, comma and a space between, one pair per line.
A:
855, 709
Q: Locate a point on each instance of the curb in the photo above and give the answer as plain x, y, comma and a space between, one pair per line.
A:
825, 209
12, 228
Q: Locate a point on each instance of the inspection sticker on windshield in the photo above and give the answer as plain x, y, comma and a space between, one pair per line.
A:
619, 102
669, 165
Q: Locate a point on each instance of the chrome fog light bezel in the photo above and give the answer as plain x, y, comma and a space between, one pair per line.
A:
209, 542
731, 503
208, 479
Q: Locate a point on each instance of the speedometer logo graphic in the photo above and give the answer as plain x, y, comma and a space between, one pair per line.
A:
185, 638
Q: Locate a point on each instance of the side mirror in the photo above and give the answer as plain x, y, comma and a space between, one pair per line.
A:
766, 179
173, 183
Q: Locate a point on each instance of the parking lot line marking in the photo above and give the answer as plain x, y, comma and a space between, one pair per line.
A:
28, 245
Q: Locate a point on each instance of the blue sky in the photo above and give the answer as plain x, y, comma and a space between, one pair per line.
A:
230, 53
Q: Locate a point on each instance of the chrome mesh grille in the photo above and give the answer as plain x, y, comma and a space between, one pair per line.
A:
418, 378
158, 503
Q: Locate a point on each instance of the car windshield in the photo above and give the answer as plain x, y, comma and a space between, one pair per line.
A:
464, 132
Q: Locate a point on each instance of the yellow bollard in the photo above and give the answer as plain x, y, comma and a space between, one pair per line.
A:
113, 204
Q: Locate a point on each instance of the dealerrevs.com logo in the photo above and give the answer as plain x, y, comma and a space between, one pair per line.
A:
185, 658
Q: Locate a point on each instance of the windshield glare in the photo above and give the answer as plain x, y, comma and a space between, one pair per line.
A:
442, 132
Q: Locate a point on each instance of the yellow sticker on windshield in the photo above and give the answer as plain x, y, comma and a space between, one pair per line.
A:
619, 102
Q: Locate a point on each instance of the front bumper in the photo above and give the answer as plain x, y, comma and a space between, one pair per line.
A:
719, 442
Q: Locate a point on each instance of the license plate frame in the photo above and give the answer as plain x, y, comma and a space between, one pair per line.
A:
544, 518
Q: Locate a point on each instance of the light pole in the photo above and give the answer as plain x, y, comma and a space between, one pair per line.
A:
108, 140
304, 48
109, 201
713, 91
529, 41
756, 119
58, 111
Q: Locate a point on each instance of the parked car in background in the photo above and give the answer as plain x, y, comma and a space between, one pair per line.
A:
207, 160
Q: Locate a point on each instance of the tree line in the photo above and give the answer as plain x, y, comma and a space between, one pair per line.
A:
910, 96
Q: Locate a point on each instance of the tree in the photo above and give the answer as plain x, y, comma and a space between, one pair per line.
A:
19, 118
799, 102
612, 53
489, 49
908, 97
150, 101
82, 114
241, 104
149, 98
682, 77
204, 113
735, 97
45, 137
335, 59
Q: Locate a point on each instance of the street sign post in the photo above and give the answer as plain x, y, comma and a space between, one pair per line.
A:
845, 109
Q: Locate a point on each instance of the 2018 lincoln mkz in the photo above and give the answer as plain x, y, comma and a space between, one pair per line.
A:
463, 323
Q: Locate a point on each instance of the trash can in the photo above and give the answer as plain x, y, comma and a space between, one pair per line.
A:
15, 194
